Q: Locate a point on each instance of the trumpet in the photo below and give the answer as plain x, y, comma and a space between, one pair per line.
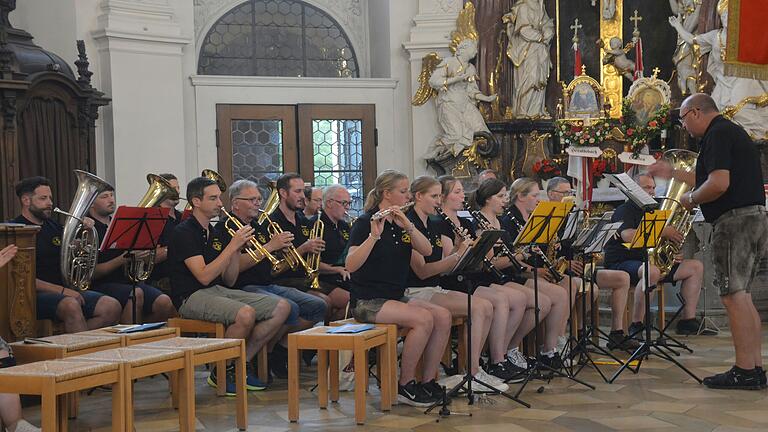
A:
381, 214
313, 259
351, 218
255, 249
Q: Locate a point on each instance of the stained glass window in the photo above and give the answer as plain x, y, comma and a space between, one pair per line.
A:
277, 38
338, 157
257, 150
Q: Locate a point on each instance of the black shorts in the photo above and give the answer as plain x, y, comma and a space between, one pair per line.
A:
122, 292
632, 267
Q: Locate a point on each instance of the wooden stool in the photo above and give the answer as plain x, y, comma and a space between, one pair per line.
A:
217, 330
205, 351
330, 344
61, 347
131, 339
140, 363
54, 379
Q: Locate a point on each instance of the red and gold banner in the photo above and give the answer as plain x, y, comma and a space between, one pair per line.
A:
747, 45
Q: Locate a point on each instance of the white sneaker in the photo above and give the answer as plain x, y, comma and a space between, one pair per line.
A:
561, 342
450, 381
517, 358
479, 388
24, 426
488, 378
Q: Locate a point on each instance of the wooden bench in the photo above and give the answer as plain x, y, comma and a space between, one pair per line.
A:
52, 380
205, 351
131, 339
141, 363
329, 344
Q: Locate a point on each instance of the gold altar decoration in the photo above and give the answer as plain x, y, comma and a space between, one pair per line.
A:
611, 78
533, 151
465, 27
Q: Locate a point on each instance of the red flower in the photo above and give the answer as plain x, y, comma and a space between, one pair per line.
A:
653, 123
657, 155
630, 131
575, 129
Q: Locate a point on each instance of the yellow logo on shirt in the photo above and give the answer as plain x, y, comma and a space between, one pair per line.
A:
305, 231
56, 241
438, 242
262, 238
406, 238
216, 245
345, 234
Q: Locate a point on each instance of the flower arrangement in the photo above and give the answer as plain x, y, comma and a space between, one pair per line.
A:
638, 136
545, 169
602, 166
577, 133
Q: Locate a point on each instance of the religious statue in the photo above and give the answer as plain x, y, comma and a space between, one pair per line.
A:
616, 56
686, 61
530, 30
454, 81
729, 91
609, 9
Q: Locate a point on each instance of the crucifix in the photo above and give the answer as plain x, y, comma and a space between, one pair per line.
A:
575, 27
636, 18
656, 71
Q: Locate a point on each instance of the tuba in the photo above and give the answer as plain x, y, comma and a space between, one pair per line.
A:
663, 255
79, 244
139, 270
290, 254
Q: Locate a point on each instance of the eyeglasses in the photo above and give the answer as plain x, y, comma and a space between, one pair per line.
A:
682, 117
568, 192
252, 200
345, 204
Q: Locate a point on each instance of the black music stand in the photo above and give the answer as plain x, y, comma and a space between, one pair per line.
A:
541, 228
575, 218
470, 266
135, 229
590, 246
647, 237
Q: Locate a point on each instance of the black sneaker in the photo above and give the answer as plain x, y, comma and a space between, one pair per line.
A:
618, 340
413, 394
763, 379
433, 389
637, 331
278, 361
230, 387
737, 379
515, 369
554, 362
688, 326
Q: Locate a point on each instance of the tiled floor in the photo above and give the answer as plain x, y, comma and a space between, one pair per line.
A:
659, 398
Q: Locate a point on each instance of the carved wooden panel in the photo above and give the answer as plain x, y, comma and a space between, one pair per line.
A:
17, 285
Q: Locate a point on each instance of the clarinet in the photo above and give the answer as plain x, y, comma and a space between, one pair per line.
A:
556, 275
469, 236
485, 225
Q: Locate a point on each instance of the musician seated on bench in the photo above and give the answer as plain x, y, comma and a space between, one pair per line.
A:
202, 266
618, 257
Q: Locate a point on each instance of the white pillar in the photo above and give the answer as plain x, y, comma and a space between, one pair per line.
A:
140, 46
431, 32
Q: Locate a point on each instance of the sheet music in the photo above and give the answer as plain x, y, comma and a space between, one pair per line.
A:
587, 235
574, 221
607, 232
633, 191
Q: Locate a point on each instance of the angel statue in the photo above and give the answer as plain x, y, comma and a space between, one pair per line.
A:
530, 31
454, 81
730, 92
687, 13
616, 56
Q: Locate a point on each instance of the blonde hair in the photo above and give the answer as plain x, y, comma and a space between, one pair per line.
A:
422, 183
384, 182
523, 185
447, 182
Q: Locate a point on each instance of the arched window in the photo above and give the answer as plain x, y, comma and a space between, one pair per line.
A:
277, 38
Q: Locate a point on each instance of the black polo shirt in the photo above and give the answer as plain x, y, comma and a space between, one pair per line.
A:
727, 146
300, 233
161, 269
47, 250
190, 239
260, 274
433, 232
117, 275
385, 273
630, 216
336, 237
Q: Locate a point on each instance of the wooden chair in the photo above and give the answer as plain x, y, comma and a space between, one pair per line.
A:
52, 380
137, 338
216, 330
205, 351
140, 363
329, 344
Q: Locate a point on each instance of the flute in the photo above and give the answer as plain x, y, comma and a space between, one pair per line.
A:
381, 214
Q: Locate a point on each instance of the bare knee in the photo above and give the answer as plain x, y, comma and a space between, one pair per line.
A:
421, 320
164, 306
654, 274
481, 307
108, 308
69, 308
545, 304
441, 319
246, 317
281, 310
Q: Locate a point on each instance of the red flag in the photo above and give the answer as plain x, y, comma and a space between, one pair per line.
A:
747, 46
639, 58
576, 60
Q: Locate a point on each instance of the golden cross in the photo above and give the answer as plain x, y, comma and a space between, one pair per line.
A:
636, 18
655, 72
583, 69
575, 27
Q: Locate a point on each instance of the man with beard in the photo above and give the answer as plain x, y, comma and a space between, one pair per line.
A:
78, 310
110, 278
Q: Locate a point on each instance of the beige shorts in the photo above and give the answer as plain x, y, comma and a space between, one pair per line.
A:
424, 293
220, 304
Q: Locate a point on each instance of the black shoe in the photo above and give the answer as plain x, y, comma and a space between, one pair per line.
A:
618, 340
637, 331
278, 362
688, 326
413, 394
763, 379
737, 379
554, 362
433, 389
308, 355
500, 371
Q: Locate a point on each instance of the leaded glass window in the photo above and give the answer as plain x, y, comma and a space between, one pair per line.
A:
338, 157
277, 38
257, 150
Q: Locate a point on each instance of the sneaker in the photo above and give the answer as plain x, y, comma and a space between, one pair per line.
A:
500, 371
552, 361
253, 383
24, 426
688, 326
307, 356
278, 362
618, 340
479, 388
562, 341
231, 388
638, 330
736, 379
491, 380
414, 394
433, 389
451, 381
763, 379
515, 357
